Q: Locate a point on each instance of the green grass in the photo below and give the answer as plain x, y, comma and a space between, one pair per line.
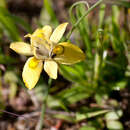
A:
105, 69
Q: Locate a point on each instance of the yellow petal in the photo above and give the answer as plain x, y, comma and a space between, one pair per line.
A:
38, 37
21, 48
35, 41
28, 35
69, 54
47, 30
31, 72
38, 32
41, 32
51, 67
58, 33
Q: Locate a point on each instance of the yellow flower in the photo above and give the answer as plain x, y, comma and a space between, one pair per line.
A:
45, 47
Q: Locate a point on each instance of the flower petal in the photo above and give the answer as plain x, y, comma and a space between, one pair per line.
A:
31, 72
40, 32
36, 41
58, 33
47, 30
37, 33
51, 67
22, 48
69, 54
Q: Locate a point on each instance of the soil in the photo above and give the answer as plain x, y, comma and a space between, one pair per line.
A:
28, 10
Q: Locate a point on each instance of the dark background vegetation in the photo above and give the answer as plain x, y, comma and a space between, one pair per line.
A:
86, 96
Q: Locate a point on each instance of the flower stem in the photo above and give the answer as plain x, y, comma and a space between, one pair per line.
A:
82, 17
41, 121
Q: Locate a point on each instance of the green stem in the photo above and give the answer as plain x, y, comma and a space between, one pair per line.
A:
80, 19
71, 8
41, 122
98, 58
